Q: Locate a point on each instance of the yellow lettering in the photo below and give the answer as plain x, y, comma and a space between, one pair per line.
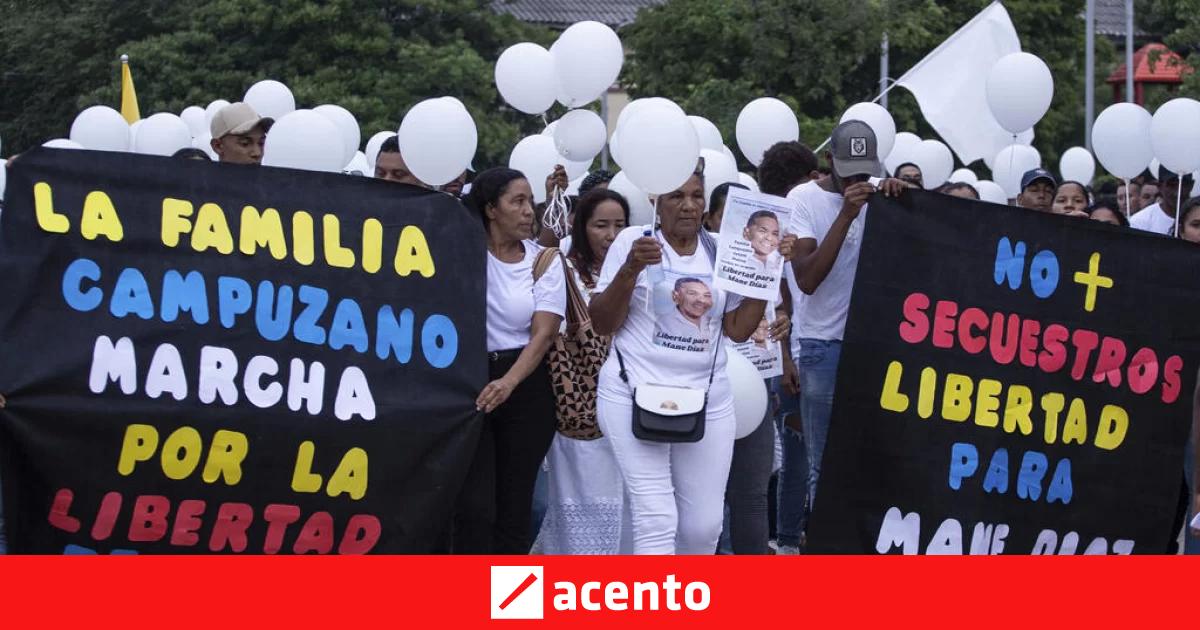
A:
302, 237
412, 253
1075, 428
225, 457
1017, 409
892, 399
350, 476
987, 403
174, 222
927, 392
1052, 404
1114, 422
262, 230
185, 440
212, 230
303, 479
956, 400
372, 252
138, 446
335, 254
43, 208
100, 217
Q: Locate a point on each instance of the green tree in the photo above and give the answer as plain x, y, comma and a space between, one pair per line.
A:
821, 56
375, 57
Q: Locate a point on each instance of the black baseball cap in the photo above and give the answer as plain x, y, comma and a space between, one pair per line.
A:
855, 150
1034, 175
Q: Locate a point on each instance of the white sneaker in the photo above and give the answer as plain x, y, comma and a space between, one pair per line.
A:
788, 550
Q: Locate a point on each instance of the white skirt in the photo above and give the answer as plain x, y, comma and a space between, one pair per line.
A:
587, 512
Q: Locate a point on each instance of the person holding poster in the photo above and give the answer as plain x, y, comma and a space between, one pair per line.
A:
748, 259
676, 490
828, 224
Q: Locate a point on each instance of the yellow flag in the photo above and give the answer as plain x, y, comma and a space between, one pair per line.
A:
129, 106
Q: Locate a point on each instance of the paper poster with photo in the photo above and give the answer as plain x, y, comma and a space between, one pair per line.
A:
686, 315
748, 258
762, 351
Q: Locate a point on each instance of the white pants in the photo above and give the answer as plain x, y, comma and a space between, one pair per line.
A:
676, 491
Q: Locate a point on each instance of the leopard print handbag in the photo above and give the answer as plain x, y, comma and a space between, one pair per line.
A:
574, 359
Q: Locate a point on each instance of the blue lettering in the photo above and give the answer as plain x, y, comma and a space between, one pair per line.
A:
131, 295
234, 298
1029, 480
1060, 484
964, 460
392, 335
273, 318
72, 282
1043, 273
439, 340
997, 474
348, 328
306, 329
184, 293
1010, 262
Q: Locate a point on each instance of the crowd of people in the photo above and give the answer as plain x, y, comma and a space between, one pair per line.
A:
599, 488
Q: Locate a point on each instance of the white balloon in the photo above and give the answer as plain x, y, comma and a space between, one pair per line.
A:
62, 143
204, 143
101, 128
935, 161
358, 164
347, 125
304, 139
748, 181
762, 123
749, 393
641, 210
729, 154
535, 157
878, 119
162, 134
574, 184
1010, 164
550, 129
1175, 134
133, 131
901, 151
964, 175
991, 192
718, 169
196, 120
640, 104
614, 147
580, 135
1153, 168
3, 179
1019, 91
587, 60
660, 150
707, 132
1077, 165
372, 151
270, 99
525, 77
438, 139
211, 111
577, 168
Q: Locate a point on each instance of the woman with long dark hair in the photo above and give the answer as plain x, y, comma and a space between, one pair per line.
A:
585, 506
523, 315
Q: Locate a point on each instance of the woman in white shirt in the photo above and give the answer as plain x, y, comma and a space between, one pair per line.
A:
676, 491
585, 510
523, 316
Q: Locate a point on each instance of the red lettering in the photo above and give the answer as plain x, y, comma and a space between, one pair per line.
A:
362, 532
316, 535
60, 511
915, 326
149, 520
106, 516
943, 324
1054, 351
278, 517
187, 523
1171, 386
1004, 346
972, 318
1029, 342
1084, 341
233, 519
1143, 371
1109, 361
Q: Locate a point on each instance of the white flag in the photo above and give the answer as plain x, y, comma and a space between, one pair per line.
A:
950, 84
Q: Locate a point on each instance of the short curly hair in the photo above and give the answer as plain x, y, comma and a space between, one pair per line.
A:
783, 166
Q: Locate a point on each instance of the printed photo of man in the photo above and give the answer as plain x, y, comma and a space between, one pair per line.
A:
686, 325
762, 231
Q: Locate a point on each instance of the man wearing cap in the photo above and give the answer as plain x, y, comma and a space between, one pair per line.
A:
828, 224
1160, 217
239, 133
1037, 190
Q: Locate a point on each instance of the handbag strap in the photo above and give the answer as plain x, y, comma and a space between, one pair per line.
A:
542, 262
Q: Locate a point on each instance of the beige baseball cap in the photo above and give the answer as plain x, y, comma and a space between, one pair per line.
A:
237, 119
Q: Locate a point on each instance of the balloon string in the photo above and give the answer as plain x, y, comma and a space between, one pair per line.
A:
1012, 156
558, 210
1126, 198
1178, 202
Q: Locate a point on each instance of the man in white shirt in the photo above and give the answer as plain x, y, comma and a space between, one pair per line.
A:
762, 231
1160, 217
828, 224
687, 326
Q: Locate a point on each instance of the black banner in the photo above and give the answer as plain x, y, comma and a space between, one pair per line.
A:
1010, 382
205, 358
